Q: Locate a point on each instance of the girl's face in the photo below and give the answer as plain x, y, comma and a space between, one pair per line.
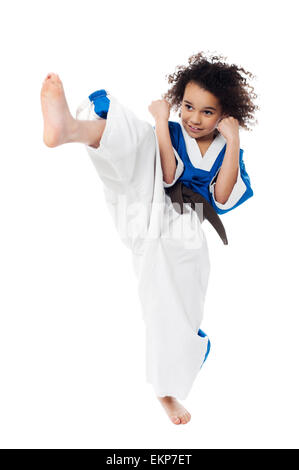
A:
200, 112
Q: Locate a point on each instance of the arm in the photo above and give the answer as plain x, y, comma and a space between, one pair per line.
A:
228, 174
168, 162
234, 187
160, 110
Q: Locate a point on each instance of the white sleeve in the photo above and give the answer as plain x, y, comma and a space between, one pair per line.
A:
178, 172
236, 194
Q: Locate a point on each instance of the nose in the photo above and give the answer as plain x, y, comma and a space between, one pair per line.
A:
195, 120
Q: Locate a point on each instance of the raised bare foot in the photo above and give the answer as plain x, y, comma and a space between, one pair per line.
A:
58, 121
176, 412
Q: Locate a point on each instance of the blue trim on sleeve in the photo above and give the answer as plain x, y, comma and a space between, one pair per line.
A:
101, 102
248, 192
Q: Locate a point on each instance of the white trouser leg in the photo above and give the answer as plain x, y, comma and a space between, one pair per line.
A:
172, 271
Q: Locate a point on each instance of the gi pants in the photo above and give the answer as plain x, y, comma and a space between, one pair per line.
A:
169, 251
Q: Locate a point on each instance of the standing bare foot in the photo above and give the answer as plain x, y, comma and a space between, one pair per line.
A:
176, 412
58, 121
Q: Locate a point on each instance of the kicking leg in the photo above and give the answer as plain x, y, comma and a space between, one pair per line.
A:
59, 125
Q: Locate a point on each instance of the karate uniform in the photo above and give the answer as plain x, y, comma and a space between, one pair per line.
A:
169, 250
200, 173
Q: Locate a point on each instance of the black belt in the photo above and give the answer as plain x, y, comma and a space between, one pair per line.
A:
180, 193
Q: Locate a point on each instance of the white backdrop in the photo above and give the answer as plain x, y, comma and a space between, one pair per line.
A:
72, 342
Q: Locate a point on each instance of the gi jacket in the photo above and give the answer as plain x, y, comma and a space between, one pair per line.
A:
199, 173
196, 176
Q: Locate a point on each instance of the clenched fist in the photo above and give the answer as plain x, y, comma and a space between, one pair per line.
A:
229, 128
160, 109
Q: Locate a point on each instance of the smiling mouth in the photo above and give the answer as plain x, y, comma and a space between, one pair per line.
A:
194, 129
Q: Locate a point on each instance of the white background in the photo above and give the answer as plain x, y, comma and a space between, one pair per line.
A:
72, 340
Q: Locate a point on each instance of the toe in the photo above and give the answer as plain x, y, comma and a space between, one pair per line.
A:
187, 417
53, 77
184, 419
175, 419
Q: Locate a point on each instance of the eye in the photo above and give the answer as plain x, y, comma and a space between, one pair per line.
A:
208, 112
188, 106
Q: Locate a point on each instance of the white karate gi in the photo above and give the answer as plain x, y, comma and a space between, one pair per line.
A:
169, 251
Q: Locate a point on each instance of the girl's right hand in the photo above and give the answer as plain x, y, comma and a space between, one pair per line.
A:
160, 109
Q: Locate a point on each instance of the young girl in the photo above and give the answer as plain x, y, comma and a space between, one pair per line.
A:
145, 171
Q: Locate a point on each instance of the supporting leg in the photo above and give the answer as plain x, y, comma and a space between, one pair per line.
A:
176, 412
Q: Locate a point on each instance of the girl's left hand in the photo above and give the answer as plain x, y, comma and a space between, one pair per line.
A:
229, 128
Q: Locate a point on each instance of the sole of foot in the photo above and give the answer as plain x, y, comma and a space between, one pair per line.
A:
58, 121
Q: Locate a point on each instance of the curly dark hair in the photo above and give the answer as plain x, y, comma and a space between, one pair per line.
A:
227, 82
